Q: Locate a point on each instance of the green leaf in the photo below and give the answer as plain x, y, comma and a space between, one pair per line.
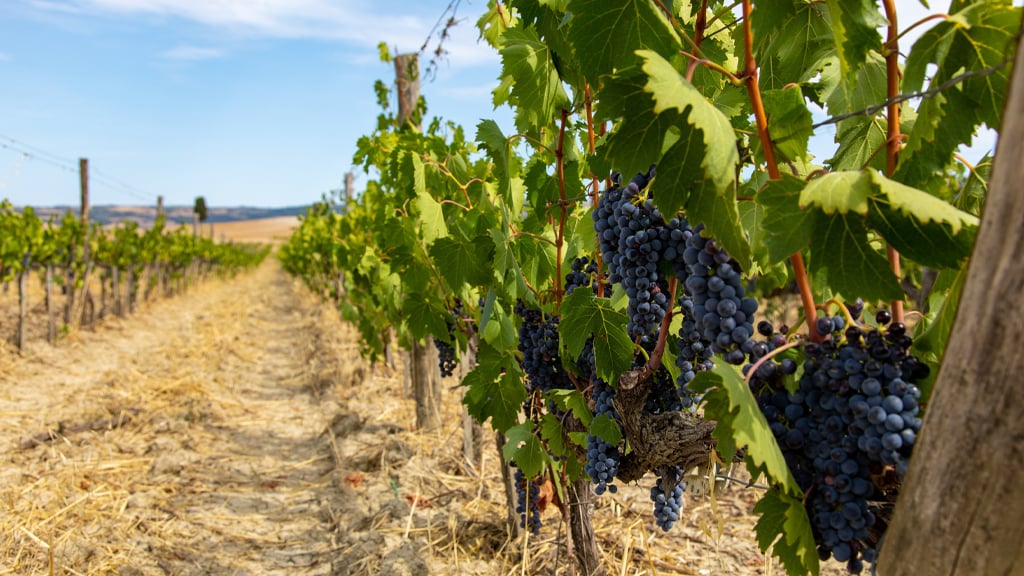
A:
422, 319
431, 218
606, 428
728, 400
932, 333
789, 121
721, 217
463, 262
573, 401
977, 37
490, 137
583, 316
793, 39
638, 140
524, 448
606, 34
861, 144
785, 524
920, 226
838, 192
840, 248
786, 226
494, 388
855, 26
553, 433
671, 91
536, 92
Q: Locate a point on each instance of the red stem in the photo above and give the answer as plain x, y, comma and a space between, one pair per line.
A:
893, 140
701, 24
560, 232
761, 120
659, 348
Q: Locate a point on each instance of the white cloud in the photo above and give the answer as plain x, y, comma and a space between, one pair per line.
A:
363, 24
5, 57
192, 53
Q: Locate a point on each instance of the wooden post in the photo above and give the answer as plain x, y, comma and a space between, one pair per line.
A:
349, 183
22, 301
159, 207
79, 301
407, 77
51, 320
472, 432
422, 359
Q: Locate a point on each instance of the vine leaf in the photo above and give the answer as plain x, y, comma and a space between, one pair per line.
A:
525, 449
790, 122
641, 136
494, 388
463, 261
552, 431
855, 26
490, 137
922, 227
793, 39
785, 524
630, 24
841, 249
605, 428
728, 400
974, 38
431, 219
706, 136
584, 315
529, 80
422, 319
786, 227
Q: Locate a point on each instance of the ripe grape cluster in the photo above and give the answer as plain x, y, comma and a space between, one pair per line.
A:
667, 504
852, 421
722, 312
694, 353
630, 229
584, 273
602, 457
541, 362
527, 502
447, 357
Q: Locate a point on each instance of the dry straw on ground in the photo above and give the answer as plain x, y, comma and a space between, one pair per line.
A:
235, 431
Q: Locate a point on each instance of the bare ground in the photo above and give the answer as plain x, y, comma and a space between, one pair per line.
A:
234, 430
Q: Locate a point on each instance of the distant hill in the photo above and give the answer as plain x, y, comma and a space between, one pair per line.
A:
145, 215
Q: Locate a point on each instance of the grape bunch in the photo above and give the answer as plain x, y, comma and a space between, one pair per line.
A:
447, 357
851, 424
602, 457
528, 502
584, 272
723, 313
667, 504
541, 362
629, 227
694, 353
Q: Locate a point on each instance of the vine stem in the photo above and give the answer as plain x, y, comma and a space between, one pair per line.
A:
769, 356
761, 120
659, 349
893, 140
560, 232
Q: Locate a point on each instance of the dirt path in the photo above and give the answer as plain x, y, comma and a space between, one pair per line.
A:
210, 457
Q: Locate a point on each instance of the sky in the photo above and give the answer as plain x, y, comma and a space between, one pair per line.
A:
243, 102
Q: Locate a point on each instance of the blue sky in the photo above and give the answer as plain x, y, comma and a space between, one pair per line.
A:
245, 103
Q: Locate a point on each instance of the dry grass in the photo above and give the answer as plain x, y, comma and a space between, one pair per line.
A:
243, 436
